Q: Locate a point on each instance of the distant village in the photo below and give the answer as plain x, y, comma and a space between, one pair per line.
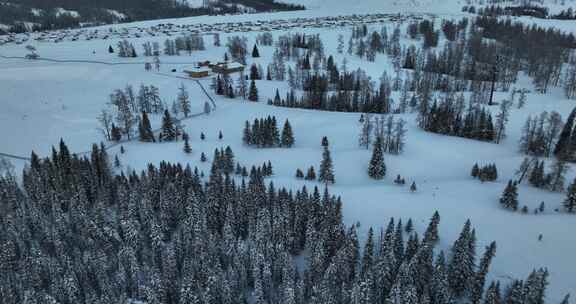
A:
170, 29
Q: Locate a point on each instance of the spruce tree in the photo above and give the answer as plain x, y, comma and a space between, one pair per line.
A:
475, 171
368, 254
255, 52
253, 91
509, 199
325, 141
299, 174
377, 167
326, 168
461, 266
492, 294
431, 234
187, 148
247, 134
570, 201
477, 284
310, 174
287, 138
145, 129
168, 129
561, 150
116, 161
183, 100
409, 226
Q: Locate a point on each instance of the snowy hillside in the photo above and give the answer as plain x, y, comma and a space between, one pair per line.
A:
82, 74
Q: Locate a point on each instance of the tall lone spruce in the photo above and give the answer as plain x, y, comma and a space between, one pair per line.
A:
287, 137
253, 91
326, 168
377, 167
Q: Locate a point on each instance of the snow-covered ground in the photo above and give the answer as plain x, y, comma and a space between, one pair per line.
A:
43, 101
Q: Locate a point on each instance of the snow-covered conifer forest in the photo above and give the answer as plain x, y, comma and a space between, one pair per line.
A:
389, 152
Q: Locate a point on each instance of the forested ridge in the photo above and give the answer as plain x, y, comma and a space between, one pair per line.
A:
48, 15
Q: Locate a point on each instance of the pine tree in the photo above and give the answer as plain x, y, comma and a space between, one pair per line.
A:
299, 174
509, 199
570, 201
413, 187
168, 129
145, 129
431, 234
461, 266
409, 226
183, 100
203, 157
562, 148
325, 142
475, 171
110, 49
117, 162
187, 148
247, 134
477, 284
492, 294
368, 253
557, 175
202, 136
287, 138
310, 174
220, 135
536, 177
253, 92
377, 167
255, 53
326, 168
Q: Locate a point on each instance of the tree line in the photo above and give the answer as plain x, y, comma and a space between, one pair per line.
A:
16, 13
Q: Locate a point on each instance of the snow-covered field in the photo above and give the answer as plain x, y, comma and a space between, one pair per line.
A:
44, 101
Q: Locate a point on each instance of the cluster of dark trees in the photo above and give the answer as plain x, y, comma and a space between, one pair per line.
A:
264, 133
426, 30
237, 48
224, 85
125, 106
310, 174
535, 171
125, 48
481, 56
77, 233
16, 12
540, 134
451, 118
521, 10
173, 47
567, 14
390, 132
484, 173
